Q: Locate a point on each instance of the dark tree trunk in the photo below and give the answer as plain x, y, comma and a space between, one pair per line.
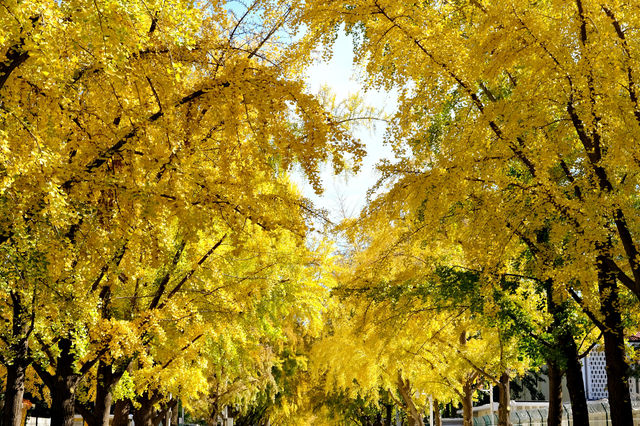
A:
63, 386
378, 421
565, 352
437, 419
504, 406
106, 378
575, 382
63, 401
145, 414
555, 394
17, 367
12, 410
617, 368
121, 412
388, 414
99, 414
105, 382
214, 411
555, 357
164, 414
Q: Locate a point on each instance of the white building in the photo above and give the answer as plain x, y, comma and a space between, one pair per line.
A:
595, 373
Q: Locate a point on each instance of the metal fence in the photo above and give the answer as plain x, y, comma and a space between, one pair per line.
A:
599, 415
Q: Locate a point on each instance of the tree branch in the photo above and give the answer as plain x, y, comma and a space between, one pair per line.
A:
191, 272
164, 280
14, 57
586, 310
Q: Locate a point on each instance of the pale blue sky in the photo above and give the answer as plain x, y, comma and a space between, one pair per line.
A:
346, 195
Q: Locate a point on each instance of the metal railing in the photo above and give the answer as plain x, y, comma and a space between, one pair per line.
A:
599, 415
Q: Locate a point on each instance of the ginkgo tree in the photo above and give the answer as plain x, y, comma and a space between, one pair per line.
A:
407, 324
138, 139
541, 137
412, 351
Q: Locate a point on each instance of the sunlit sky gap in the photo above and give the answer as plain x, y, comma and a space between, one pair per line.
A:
346, 194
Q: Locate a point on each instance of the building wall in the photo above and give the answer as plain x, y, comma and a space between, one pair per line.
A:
595, 375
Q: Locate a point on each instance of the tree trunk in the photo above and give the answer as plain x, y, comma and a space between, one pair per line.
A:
389, 414
17, 367
145, 414
105, 382
504, 406
14, 391
437, 419
575, 382
214, 411
467, 404
614, 348
555, 358
99, 414
174, 416
63, 386
565, 351
121, 413
404, 387
555, 394
63, 402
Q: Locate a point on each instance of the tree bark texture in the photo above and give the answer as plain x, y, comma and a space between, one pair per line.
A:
17, 367
575, 382
106, 381
121, 412
63, 386
554, 417
504, 406
437, 418
467, 404
404, 387
388, 414
613, 333
144, 414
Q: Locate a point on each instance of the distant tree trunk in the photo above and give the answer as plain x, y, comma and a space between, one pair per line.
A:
164, 414
174, 416
504, 406
575, 381
467, 403
99, 414
106, 378
144, 414
404, 387
437, 418
389, 414
565, 350
614, 348
17, 365
555, 356
214, 412
555, 393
